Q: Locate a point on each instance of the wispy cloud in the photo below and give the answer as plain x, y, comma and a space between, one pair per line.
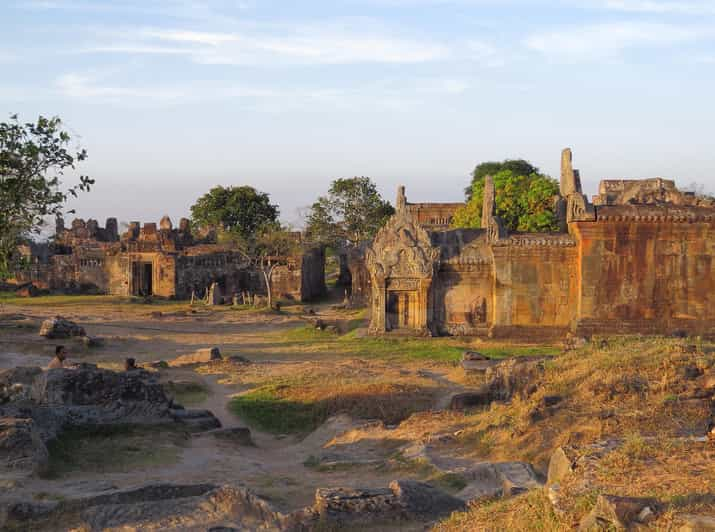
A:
607, 40
688, 7
90, 88
306, 45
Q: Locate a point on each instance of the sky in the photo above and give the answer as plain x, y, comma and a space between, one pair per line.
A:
172, 97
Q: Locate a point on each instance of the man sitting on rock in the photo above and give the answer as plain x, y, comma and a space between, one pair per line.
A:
59, 360
130, 364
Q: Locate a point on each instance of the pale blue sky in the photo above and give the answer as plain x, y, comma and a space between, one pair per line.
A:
174, 96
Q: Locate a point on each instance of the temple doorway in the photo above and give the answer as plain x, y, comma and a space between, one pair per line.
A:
142, 278
401, 311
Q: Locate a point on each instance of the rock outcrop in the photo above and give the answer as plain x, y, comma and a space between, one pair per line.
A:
79, 397
200, 356
502, 380
59, 327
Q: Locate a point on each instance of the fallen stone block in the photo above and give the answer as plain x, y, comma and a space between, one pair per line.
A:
474, 399
500, 479
561, 465
403, 500
201, 356
619, 513
237, 435
59, 327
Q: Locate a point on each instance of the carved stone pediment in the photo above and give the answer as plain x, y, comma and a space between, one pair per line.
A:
402, 249
578, 209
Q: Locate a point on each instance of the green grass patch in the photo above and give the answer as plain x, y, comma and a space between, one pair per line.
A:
436, 349
187, 393
268, 410
113, 449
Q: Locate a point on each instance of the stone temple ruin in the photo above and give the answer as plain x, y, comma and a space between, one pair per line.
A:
639, 258
161, 261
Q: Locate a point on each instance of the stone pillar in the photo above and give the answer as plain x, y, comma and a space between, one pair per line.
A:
570, 179
401, 202
185, 225
112, 229
378, 323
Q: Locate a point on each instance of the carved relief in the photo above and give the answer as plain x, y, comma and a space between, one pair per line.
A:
402, 249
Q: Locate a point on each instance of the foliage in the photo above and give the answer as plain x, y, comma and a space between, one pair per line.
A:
524, 202
268, 247
351, 212
482, 170
242, 210
33, 158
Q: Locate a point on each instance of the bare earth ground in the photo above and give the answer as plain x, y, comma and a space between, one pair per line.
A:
274, 468
330, 409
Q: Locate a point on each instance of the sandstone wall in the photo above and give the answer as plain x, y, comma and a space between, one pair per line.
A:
462, 299
535, 285
647, 271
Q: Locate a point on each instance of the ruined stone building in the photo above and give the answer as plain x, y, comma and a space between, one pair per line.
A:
639, 258
161, 261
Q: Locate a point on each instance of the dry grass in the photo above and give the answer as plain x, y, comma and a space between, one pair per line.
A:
300, 397
529, 512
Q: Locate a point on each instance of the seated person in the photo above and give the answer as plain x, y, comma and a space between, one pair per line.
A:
130, 364
59, 359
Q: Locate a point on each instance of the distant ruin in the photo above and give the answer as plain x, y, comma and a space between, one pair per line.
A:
163, 261
640, 258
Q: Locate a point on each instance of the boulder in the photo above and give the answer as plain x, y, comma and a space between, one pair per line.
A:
150, 507
200, 356
462, 401
92, 341
620, 513
21, 446
403, 500
59, 327
500, 479
419, 500
477, 362
196, 420
561, 464
514, 376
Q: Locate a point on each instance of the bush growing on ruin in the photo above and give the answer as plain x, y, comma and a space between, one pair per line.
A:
33, 159
351, 212
524, 202
492, 168
240, 210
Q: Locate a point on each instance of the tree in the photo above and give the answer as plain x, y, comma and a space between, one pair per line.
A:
239, 210
482, 170
264, 250
524, 202
33, 158
351, 212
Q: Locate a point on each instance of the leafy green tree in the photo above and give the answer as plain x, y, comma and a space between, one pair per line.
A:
33, 158
482, 170
351, 212
524, 202
240, 210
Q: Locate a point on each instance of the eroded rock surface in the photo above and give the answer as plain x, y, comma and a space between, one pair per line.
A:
59, 327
